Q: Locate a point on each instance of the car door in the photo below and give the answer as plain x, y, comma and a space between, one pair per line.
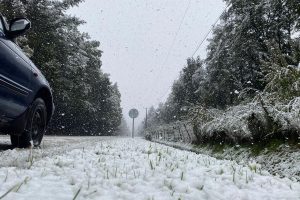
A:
15, 80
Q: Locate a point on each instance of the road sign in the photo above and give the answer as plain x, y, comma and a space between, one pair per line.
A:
133, 113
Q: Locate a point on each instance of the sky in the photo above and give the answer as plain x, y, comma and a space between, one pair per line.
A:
145, 43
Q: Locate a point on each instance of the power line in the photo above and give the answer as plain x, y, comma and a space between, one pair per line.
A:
173, 43
165, 93
176, 34
210, 30
198, 47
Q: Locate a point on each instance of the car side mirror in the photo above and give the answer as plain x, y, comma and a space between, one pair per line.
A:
18, 27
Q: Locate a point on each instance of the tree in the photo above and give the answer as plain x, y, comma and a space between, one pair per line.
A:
253, 49
85, 99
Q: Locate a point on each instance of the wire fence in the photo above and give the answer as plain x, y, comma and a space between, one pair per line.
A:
175, 132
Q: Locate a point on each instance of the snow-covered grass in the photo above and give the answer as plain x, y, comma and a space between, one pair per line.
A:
120, 168
264, 131
283, 162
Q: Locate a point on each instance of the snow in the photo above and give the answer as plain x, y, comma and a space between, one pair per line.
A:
295, 34
237, 124
284, 162
123, 168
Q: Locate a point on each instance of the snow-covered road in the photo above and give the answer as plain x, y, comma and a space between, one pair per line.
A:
123, 168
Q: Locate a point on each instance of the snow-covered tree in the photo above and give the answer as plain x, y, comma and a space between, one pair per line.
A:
85, 99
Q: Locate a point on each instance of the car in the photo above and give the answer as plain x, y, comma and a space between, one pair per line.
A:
26, 100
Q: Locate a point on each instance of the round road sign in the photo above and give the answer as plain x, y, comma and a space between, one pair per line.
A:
133, 113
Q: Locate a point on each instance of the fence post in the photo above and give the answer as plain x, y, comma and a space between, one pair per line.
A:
190, 138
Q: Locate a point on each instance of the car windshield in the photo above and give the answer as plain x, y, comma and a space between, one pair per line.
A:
150, 99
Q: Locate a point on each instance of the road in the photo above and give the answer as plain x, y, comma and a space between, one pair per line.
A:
51, 146
125, 168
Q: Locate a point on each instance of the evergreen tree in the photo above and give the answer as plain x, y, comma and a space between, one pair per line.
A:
85, 99
253, 49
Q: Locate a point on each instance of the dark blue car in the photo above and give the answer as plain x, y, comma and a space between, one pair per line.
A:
26, 103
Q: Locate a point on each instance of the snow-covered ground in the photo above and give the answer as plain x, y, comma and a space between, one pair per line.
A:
283, 162
123, 168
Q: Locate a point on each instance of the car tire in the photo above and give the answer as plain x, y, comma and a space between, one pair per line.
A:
35, 126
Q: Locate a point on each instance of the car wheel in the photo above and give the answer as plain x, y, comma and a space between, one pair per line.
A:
35, 127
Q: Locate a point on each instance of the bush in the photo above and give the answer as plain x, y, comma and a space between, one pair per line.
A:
254, 122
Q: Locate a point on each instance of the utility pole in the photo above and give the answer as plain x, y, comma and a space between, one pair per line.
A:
132, 127
146, 120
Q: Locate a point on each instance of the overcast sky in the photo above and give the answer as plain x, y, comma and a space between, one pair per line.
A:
136, 36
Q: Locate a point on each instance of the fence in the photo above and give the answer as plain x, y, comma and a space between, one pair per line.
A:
175, 132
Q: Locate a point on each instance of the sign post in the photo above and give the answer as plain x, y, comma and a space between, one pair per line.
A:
133, 113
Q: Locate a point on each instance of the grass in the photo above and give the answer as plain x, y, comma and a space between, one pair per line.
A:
6, 176
159, 156
256, 149
221, 172
253, 167
274, 144
200, 187
77, 193
15, 188
219, 147
269, 146
30, 158
233, 174
151, 165
9, 191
